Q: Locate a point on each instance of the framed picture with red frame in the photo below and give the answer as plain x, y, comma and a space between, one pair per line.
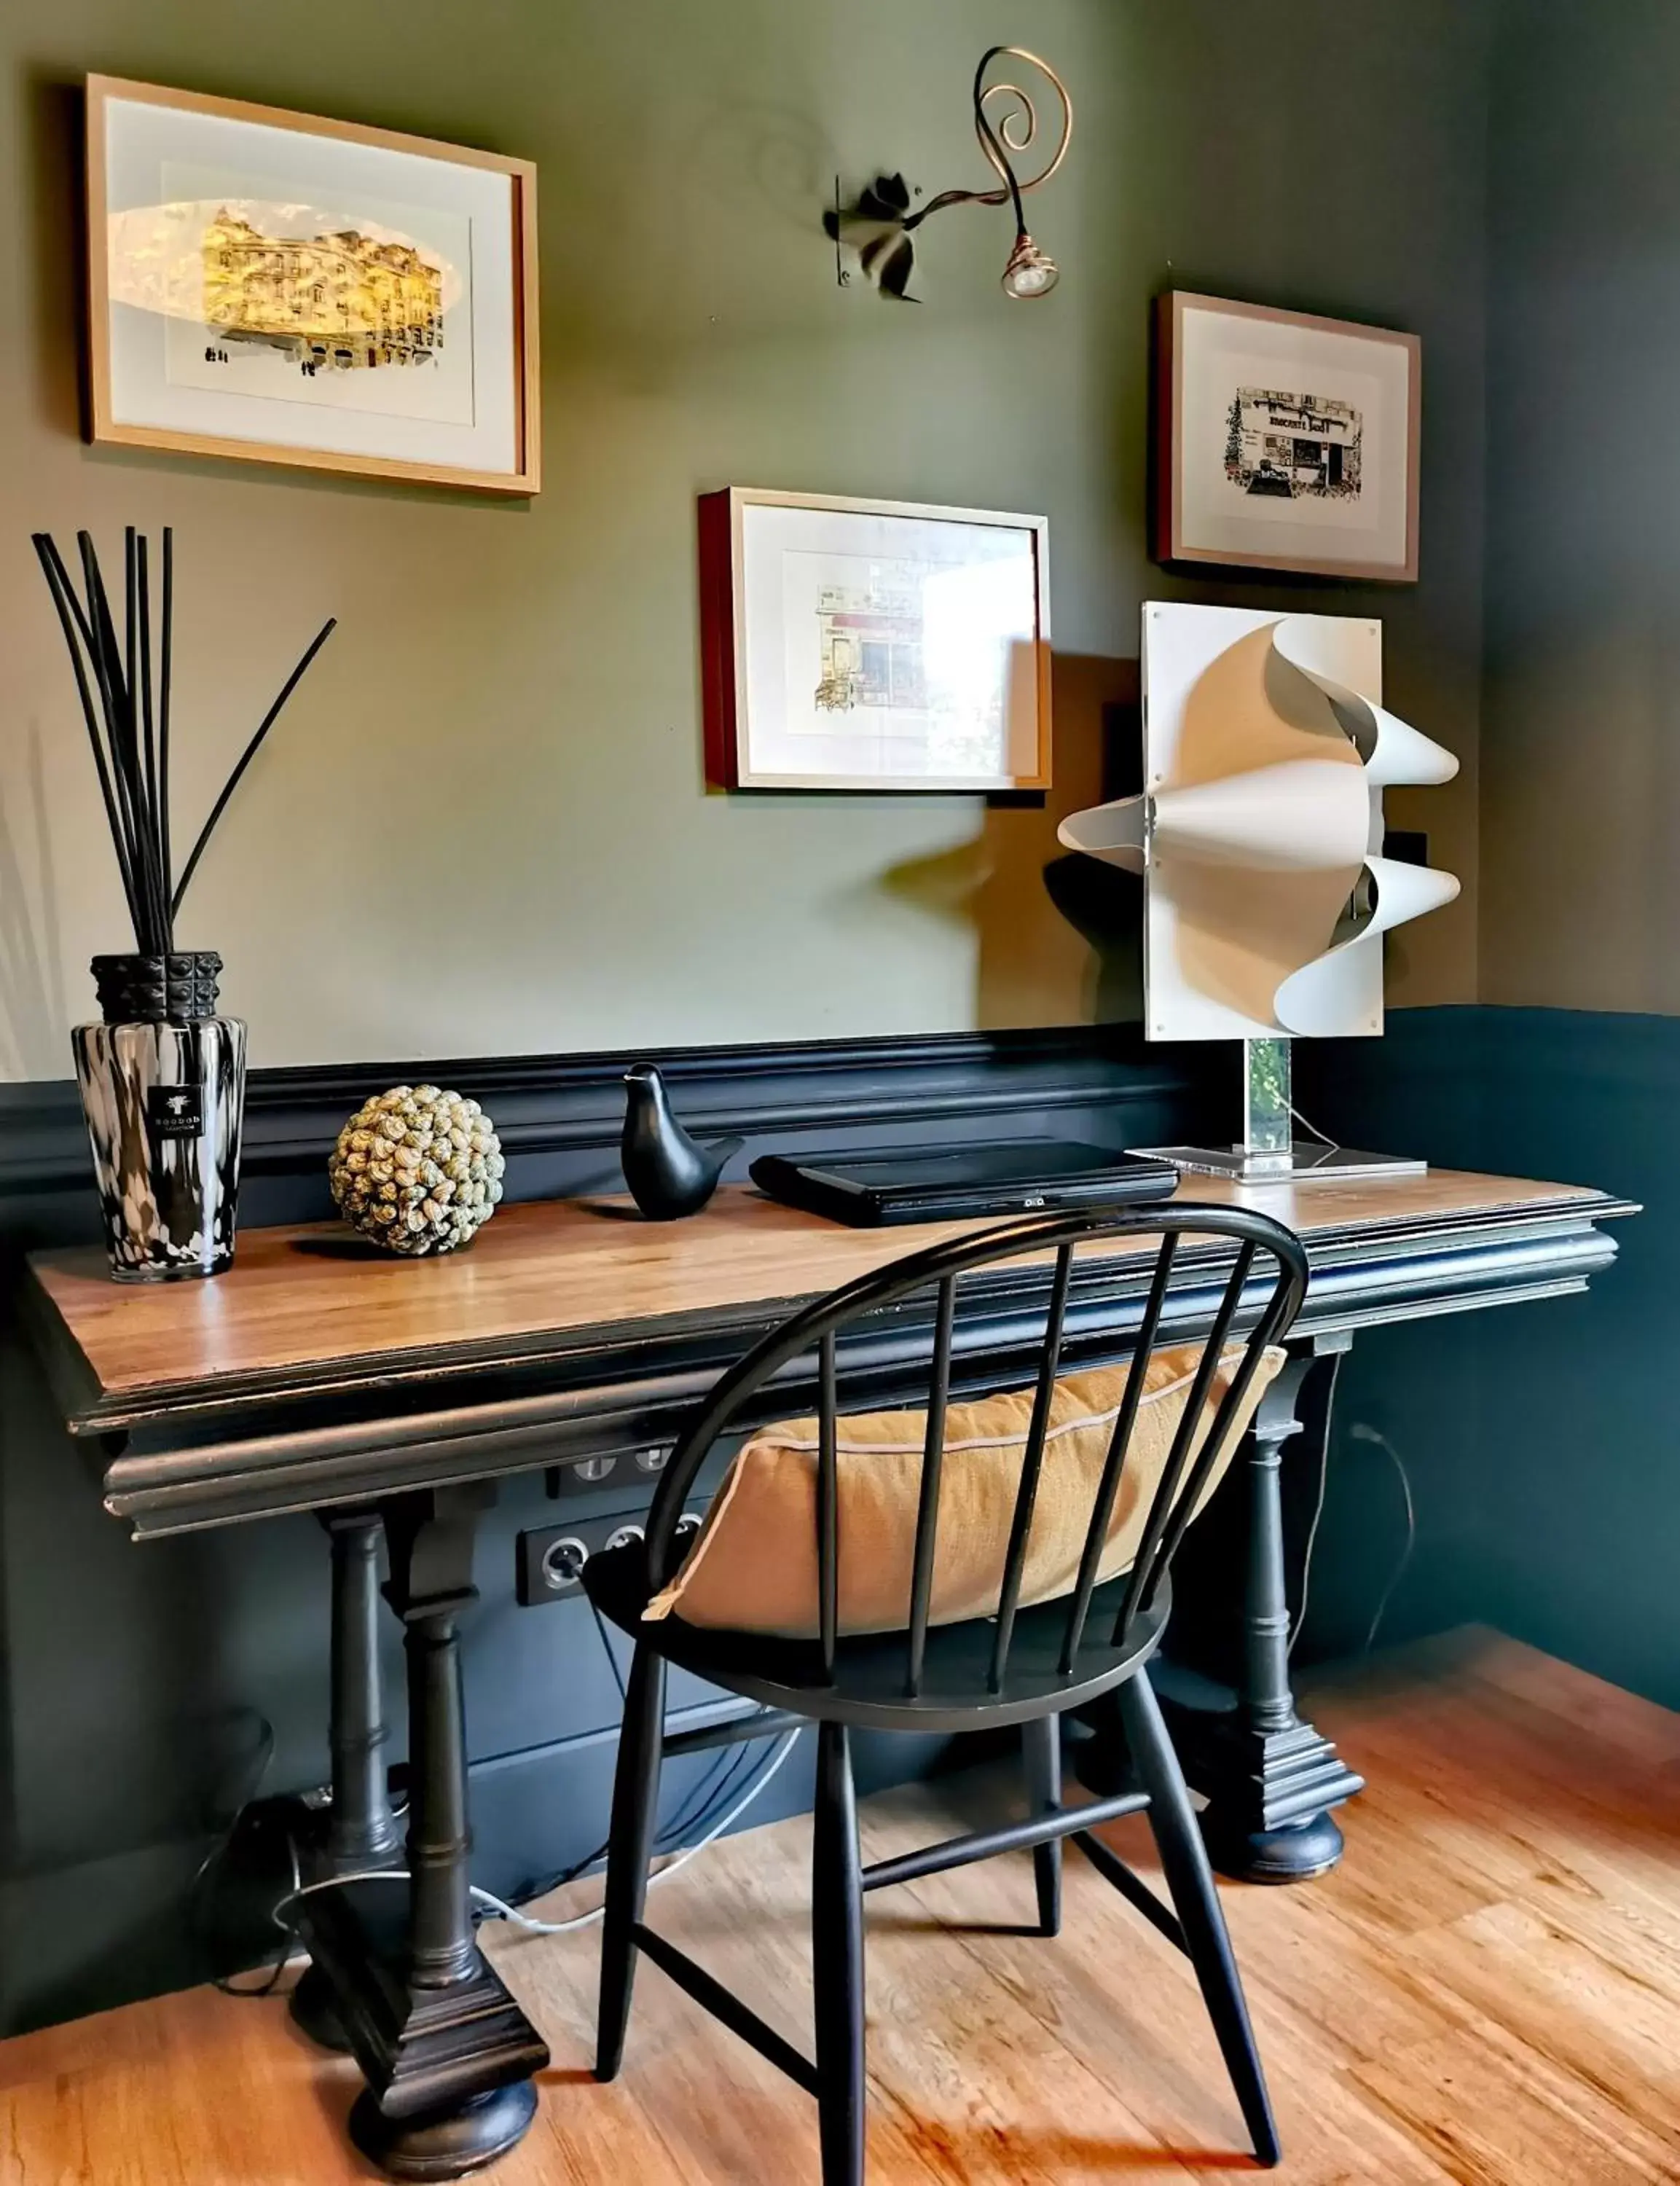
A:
873, 645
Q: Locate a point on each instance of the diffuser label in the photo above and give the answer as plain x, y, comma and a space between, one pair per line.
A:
175, 1111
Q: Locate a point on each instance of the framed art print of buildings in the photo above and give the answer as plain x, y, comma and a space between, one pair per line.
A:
282, 288
859, 645
1284, 441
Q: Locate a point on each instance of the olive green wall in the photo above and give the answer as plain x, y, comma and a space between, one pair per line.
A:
1582, 748
482, 827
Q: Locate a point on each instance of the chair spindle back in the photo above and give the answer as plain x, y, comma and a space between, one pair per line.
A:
1266, 1298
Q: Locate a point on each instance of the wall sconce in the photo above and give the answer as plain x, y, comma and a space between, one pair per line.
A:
876, 230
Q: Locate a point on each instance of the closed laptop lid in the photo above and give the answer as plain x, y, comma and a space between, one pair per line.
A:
908, 1184
898, 1169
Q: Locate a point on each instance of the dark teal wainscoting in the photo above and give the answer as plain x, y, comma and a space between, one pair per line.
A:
1543, 1440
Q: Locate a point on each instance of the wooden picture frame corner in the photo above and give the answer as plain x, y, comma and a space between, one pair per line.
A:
100, 424
1168, 544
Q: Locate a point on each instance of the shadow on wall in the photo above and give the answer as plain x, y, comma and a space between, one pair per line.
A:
751, 168
1059, 938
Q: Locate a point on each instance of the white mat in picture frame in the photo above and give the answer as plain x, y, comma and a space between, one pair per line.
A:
857, 645
1284, 441
280, 287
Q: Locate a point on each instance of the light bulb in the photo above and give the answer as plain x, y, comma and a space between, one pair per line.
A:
1029, 272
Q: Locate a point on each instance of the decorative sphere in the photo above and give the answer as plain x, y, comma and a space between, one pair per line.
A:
417, 1170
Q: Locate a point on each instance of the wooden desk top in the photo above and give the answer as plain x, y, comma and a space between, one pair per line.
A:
311, 1296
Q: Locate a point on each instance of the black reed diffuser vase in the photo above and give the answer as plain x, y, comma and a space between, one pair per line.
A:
163, 1087
162, 1075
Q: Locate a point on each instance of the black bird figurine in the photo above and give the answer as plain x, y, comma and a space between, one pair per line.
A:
667, 1175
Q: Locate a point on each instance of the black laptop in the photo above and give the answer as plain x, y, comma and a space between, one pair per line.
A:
940, 1184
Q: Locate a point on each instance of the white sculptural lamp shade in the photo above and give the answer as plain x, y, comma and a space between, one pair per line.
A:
1267, 750
1259, 834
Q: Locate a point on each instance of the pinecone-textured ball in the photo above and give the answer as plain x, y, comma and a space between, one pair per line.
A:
417, 1170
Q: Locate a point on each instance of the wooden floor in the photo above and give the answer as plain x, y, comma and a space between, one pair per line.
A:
1487, 1990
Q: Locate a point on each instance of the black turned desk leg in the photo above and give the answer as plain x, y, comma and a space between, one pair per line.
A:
1270, 1779
447, 2054
442, 1948
361, 1830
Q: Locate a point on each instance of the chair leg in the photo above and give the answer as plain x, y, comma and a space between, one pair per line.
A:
636, 1805
1041, 1741
1190, 1880
837, 1956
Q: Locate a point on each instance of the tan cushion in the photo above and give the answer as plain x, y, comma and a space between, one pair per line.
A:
753, 1564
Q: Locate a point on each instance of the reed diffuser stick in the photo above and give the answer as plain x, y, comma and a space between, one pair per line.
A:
124, 684
250, 753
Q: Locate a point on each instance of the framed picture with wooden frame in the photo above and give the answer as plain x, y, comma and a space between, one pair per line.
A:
281, 288
1284, 441
873, 645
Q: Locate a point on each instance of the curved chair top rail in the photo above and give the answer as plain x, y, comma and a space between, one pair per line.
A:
939, 1268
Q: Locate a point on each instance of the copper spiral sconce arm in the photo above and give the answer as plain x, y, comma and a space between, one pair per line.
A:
1015, 132
879, 227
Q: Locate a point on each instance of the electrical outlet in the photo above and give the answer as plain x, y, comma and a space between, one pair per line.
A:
550, 1559
550, 1564
626, 1468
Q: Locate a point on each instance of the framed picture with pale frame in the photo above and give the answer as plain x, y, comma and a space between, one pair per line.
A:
1284, 441
873, 645
282, 288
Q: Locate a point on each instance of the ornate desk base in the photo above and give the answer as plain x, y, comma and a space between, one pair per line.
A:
396, 1976
1270, 1780
595, 1341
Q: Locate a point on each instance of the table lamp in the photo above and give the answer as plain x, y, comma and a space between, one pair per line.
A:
1259, 839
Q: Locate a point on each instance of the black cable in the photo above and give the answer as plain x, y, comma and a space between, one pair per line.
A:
720, 1782
535, 1886
267, 1987
721, 1785
683, 1821
198, 1927
606, 1650
727, 1778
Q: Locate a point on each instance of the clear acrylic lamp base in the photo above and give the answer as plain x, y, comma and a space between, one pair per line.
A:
1305, 1161
1268, 1151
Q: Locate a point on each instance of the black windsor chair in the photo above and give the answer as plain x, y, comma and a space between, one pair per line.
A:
1025, 1665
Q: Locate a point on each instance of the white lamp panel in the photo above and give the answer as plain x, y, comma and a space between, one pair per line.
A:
1266, 751
1199, 983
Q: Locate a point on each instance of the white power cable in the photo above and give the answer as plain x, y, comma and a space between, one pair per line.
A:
1331, 1145
499, 1905
1361, 1433
1306, 1556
